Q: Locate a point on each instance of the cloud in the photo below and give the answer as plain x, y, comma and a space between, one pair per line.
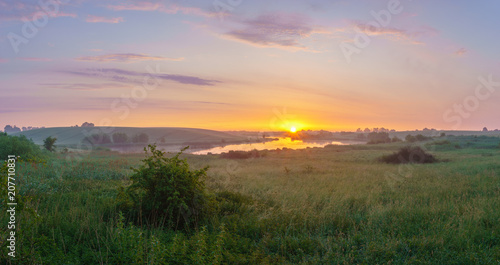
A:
82, 86
388, 32
96, 19
461, 52
35, 59
3, 60
132, 77
274, 30
159, 7
125, 57
28, 10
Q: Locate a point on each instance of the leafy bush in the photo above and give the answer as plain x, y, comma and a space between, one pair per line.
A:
240, 154
164, 191
19, 146
409, 154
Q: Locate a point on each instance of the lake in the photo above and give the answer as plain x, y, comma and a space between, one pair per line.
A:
270, 145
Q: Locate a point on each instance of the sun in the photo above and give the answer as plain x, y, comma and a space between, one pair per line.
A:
293, 129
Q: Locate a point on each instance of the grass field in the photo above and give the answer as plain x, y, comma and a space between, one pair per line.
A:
332, 205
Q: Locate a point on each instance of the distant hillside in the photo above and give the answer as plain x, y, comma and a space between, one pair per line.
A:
75, 135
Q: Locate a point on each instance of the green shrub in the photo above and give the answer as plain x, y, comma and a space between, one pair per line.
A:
409, 154
164, 191
49, 143
19, 146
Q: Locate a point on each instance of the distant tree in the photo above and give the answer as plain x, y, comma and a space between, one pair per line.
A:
87, 124
49, 142
10, 129
393, 130
97, 139
367, 130
140, 138
485, 129
359, 130
119, 138
378, 138
396, 139
375, 130
410, 138
443, 134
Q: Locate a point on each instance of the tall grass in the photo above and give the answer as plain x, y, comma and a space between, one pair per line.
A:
317, 206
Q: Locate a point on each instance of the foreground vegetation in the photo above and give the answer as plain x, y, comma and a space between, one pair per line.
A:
334, 205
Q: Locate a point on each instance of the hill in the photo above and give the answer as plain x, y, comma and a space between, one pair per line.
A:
67, 136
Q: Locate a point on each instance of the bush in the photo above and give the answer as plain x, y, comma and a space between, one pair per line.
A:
409, 154
164, 191
19, 146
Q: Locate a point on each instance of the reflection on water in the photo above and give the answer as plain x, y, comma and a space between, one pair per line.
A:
280, 143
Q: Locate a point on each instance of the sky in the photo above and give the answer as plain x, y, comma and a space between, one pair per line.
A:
251, 65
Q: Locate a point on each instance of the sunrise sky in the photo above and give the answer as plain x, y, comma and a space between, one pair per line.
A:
253, 65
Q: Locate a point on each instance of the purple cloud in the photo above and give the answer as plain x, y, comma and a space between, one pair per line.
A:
126, 76
125, 57
279, 30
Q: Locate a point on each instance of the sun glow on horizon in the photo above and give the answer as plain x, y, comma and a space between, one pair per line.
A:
293, 129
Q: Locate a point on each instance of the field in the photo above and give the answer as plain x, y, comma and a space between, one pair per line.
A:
332, 205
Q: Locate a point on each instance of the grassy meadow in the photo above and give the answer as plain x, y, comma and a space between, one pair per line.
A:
332, 205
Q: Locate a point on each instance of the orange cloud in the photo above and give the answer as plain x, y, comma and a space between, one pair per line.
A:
461, 52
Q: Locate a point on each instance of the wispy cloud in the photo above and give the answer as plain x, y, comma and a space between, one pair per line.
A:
274, 30
170, 8
35, 59
132, 77
27, 10
97, 19
125, 57
82, 86
3, 60
461, 52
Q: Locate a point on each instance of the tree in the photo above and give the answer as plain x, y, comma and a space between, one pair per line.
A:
49, 142
367, 130
87, 124
140, 138
10, 129
119, 138
378, 138
359, 130
485, 129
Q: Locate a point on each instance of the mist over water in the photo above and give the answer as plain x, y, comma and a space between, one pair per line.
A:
271, 145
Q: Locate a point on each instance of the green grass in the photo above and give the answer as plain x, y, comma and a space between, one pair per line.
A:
333, 205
